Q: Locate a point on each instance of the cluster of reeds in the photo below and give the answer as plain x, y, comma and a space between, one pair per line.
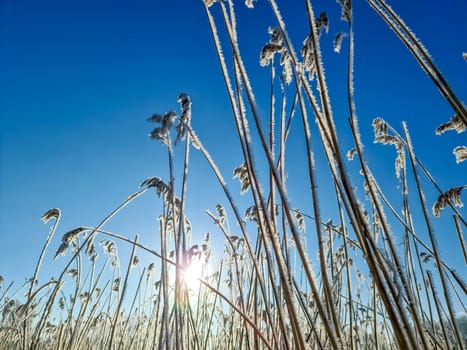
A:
378, 280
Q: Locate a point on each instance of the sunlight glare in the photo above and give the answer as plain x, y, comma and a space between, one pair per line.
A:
192, 273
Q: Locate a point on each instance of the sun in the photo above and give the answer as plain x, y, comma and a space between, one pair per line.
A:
192, 273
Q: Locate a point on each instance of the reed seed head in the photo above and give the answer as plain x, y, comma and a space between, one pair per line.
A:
72, 235
116, 284
242, 173
61, 250
338, 41
249, 4
453, 196
307, 52
455, 123
461, 153
135, 261
322, 22
51, 214
208, 3
351, 154
346, 6
72, 272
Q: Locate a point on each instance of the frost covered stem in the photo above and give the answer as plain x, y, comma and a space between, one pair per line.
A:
433, 239
420, 54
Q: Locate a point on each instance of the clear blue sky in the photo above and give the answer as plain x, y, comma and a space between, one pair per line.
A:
79, 78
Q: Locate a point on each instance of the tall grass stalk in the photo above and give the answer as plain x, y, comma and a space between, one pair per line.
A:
370, 277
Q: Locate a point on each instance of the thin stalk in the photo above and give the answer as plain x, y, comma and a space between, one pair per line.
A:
131, 307
181, 238
46, 216
122, 296
412, 43
438, 308
347, 270
164, 334
283, 196
394, 309
243, 137
208, 332
432, 238
460, 237
317, 215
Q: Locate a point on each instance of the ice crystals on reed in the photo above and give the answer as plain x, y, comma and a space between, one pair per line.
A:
461, 153
451, 196
68, 238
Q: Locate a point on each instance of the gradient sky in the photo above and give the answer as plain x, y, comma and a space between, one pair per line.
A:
79, 78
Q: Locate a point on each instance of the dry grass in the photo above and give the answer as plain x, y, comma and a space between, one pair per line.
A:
375, 284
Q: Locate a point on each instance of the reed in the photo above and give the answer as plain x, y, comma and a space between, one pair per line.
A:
371, 277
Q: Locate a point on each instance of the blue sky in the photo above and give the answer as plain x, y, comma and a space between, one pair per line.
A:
79, 78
